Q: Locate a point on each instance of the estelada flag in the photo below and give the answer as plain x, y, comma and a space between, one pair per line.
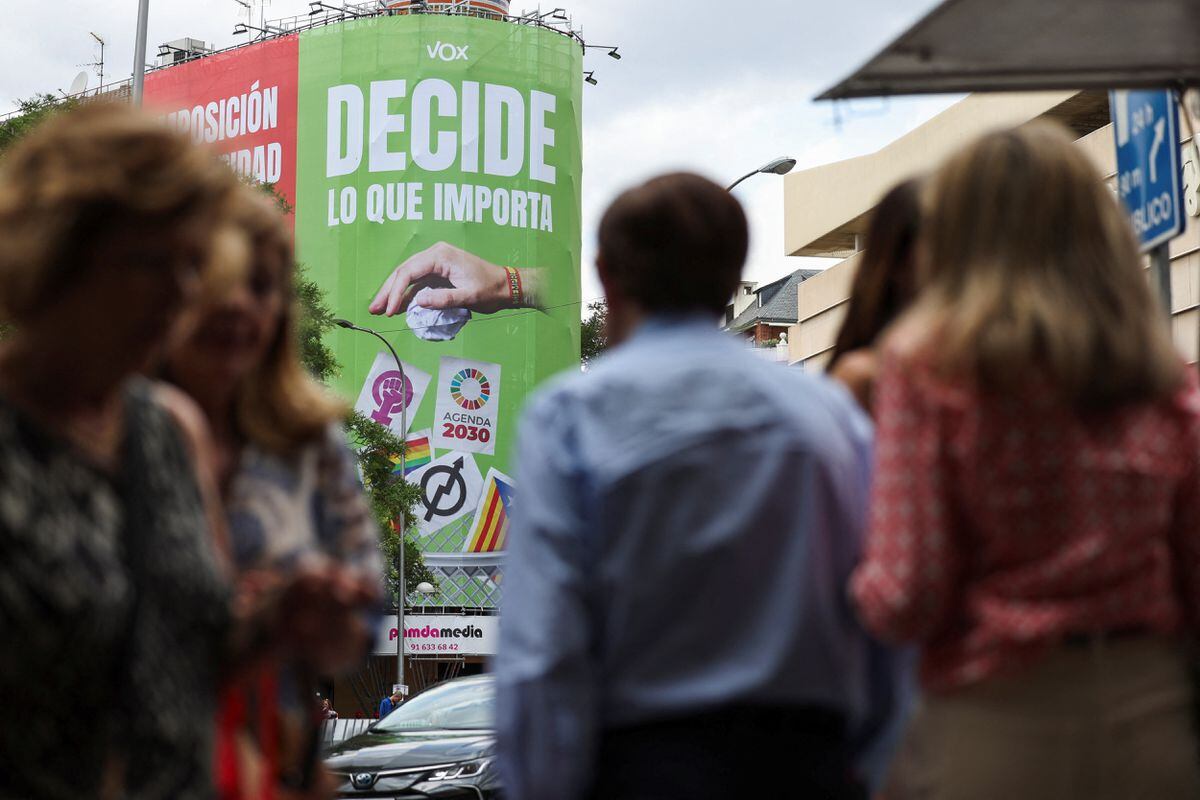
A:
490, 528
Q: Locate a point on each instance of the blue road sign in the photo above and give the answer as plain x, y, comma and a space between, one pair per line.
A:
1149, 173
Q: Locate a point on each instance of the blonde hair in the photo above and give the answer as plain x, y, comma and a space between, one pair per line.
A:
86, 174
1030, 270
280, 407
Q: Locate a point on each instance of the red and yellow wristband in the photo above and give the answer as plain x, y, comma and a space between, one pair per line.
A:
516, 290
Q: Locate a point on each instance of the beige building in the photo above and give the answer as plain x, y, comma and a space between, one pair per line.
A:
827, 207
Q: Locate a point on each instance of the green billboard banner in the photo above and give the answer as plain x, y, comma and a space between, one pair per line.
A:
438, 167
434, 165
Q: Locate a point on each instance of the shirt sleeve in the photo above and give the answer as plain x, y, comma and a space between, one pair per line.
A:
905, 587
1185, 528
545, 669
888, 672
346, 527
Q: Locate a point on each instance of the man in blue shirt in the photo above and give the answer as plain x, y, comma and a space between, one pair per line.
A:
389, 704
675, 622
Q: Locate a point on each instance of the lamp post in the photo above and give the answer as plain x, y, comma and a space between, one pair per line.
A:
317, 7
165, 50
613, 51
400, 594
780, 166
139, 52
245, 27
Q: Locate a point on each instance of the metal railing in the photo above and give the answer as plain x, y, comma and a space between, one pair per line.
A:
464, 580
290, 26
336, 731
114, 90
286, 26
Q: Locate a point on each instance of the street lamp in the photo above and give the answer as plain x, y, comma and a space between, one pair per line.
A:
400, 594
165, 50
590, 77
612, 51
245, 27
780, 166
317, 7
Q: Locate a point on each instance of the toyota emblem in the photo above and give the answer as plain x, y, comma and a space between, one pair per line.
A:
362, 780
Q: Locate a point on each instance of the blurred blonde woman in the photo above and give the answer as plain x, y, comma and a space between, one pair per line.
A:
1035, 523
290, 493
113, 604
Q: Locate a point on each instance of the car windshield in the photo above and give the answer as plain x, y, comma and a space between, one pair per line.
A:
458, 705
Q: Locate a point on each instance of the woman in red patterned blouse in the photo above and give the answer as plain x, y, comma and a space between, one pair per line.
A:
1035, 521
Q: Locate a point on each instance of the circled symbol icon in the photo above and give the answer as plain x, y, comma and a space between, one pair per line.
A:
448, 495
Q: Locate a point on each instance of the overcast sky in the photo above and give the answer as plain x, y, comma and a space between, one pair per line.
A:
713, 86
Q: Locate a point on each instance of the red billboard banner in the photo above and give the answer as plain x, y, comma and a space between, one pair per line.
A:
242, 103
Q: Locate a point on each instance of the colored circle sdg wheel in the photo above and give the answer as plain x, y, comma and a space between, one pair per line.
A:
470, 389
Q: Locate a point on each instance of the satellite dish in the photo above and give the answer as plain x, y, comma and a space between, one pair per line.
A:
79, 85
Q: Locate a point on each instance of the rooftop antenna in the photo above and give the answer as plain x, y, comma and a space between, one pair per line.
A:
249, 9
99, 65
252, 8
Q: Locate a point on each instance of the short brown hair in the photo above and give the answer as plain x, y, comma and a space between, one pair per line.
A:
675, 243
82, 174
280, 407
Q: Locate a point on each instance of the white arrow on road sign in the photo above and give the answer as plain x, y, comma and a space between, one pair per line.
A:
1149, 168
1160, 130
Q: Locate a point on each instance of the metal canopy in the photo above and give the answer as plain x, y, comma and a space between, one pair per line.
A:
1026, 45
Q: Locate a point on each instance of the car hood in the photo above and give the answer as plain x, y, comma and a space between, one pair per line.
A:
374, 752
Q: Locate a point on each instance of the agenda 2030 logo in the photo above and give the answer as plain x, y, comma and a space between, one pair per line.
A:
470, 389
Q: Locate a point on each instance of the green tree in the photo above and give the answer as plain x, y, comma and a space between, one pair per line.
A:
315, 321
392, 498
594, 336
28, 115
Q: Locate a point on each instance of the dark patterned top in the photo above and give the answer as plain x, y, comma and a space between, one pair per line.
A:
113, 611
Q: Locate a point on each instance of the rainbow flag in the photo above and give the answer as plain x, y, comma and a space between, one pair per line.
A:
420, 453
490, 528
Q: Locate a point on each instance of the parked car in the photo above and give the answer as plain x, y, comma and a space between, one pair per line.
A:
439, 744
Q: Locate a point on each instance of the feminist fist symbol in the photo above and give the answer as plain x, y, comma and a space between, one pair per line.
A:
392, 392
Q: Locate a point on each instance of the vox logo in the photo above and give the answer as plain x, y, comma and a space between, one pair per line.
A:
448, 52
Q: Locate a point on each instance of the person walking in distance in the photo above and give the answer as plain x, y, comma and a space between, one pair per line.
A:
674, 613
1035, 518
390, 704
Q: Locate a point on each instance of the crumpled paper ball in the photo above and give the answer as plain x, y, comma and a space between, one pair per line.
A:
435, 324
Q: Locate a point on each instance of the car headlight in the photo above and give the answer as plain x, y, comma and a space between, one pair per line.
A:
465, 769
